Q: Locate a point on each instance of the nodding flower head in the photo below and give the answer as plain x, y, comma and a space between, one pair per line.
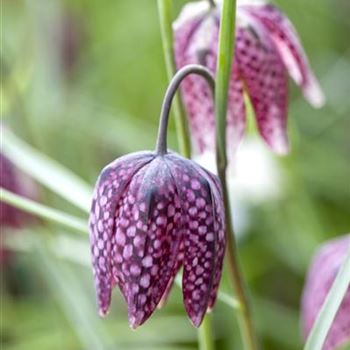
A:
152, 213
267, 48
322, 273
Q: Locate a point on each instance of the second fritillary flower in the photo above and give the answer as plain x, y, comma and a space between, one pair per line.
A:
267, 49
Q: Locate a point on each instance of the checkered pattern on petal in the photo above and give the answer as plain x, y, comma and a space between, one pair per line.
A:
196, 42
263, 72
291, 50
204, 235
109, 189
147, 239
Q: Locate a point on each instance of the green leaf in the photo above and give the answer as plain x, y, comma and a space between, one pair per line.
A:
43, 212
46, 171
329, 308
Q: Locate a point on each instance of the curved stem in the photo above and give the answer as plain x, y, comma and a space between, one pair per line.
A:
161, 147
224, 64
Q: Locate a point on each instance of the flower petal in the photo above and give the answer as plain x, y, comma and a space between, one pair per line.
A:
191, 12
193, 44
108, 190
221, 243
178, 265
321, 275
147, 239
263, 72
196, 42
290, 48
201, 238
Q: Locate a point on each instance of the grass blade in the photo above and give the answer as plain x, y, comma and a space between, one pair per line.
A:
71, 298
46, 171
43, 212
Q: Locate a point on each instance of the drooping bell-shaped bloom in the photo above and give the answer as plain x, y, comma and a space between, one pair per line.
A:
267, 49
321, 276
152, 214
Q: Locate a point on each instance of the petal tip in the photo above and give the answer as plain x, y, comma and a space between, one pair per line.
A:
196, 320
134, 322
103, 312
280, 145
314, 95
133, 326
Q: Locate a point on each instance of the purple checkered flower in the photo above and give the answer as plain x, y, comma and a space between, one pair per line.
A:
152, 213
323, 271
267, 48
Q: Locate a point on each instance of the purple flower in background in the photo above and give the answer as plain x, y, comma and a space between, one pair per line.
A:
267, 48
151, 214
322, 273
10, 216
70, 36
15, 181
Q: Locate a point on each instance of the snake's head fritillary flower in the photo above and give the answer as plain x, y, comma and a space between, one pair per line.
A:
152, 214
267, 48
322, 273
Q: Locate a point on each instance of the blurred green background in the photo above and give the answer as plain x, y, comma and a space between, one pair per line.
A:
82, 81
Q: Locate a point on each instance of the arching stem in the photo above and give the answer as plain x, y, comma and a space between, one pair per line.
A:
161, 147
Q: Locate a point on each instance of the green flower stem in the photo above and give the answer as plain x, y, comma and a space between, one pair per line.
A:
205, 334
329, 308
244, 315
225, 57
165, 17
42, 211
